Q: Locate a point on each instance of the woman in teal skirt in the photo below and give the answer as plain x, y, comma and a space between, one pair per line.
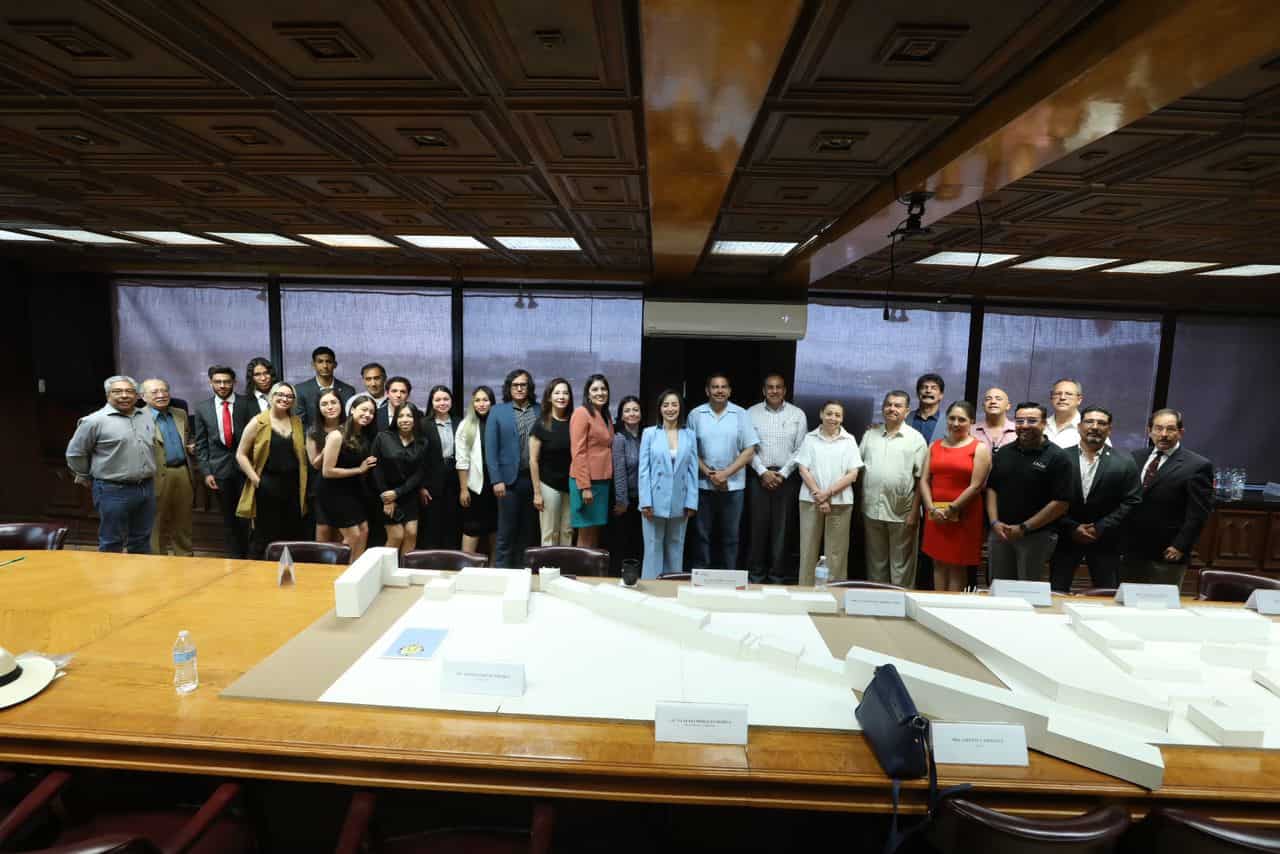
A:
591, 463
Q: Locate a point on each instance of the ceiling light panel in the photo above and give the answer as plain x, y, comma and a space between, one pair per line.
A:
350, 241
539, 244
254, 238
81, 236
966, 259
442, 241
1245, 270
172, 238
1157, 268
1061, 262
19, 236
751, 247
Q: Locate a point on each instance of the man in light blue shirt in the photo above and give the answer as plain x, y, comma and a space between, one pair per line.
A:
726, 443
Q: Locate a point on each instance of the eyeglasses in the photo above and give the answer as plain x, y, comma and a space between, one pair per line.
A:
1063, 394
123, 392
519, 385
1027, 422
283, 396
1095, 422
1165, 431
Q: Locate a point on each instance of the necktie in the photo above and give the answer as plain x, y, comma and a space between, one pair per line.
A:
1152, 468
226, 423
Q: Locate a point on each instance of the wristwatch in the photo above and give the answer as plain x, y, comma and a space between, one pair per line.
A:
1022, 526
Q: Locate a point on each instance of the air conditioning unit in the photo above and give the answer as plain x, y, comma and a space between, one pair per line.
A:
752, 321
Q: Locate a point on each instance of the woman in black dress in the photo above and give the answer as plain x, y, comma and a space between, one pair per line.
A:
400, 472
325, 420
346, 458
549, 453
273, 458
475, 487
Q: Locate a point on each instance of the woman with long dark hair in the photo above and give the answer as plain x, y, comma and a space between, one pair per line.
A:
400, 472
439, 525
591, 463
325, 420
668, 486
955, 472
273, 458
549, 459
475, 486
625, 539
345, 461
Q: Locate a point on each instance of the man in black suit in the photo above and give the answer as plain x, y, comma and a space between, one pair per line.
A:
440, 527
219, 423
1177, 495
374, 377
1105, 489
323, 362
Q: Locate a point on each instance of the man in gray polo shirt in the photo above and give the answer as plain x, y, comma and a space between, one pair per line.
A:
894, 454
113, 453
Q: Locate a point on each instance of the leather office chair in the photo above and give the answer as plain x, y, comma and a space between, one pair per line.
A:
32, 535
858, 583
1175, 831
570, 559
1219, 585
1097, 591
304, 551
676, 576
441, 559
963, 826
358, 829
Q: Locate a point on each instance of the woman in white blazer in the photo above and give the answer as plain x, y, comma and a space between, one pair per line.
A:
475, 488
668, 486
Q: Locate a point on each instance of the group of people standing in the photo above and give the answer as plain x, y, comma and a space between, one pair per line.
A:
320, 461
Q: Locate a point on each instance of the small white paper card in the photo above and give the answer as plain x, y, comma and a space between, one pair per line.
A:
1266, 602
1035, 592
1154, 596
700, 723
869, 602
979, 744
735, 578
286, 572
496, 678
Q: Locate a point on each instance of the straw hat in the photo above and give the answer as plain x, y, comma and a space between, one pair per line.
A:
22, 680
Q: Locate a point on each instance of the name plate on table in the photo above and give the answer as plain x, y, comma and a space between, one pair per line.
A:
497, 678
1265, 602
869, 602
1035, 592
734, 578
700, 723
979, 744
1154, 596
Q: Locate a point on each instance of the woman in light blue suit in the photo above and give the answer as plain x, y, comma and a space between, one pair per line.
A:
668, 486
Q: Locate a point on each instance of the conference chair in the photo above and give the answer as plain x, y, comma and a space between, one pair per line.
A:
208, 830
676, 576
359, 832
303, 551
860, 584
1177, 831
571, 560
1220, 585
441, 559
32, 535
962, 827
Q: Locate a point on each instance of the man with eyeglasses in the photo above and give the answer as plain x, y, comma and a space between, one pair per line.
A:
112, 452
1028, 490
220, 421
173, 473
1063, 429
1104, 490
1177, 495
506, 455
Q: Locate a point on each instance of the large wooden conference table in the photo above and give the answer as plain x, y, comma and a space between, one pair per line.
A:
116, 708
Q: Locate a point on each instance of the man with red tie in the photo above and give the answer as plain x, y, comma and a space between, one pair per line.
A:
219, 422
1177, 493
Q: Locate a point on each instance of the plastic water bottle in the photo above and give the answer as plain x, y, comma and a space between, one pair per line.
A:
185, 676
821, 575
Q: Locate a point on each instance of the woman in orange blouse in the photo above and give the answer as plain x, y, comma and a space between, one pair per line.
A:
591, 465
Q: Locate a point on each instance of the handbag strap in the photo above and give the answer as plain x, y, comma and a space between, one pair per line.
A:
896, 837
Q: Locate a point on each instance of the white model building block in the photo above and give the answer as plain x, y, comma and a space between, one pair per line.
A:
439, 589
1269, 679
1142, 664
946, 696
1086, 610
1230, 625
916, 601
670, 618
708, 598
1227, 725
546, 575
388, 563
570, 589
357, 587
826, 669
815, 603
482, 579
1104, 635
722, 640
1249, 656
775, 592
515, 599
780, 652
422, 576
617, 602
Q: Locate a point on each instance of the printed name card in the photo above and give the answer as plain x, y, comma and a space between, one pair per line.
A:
1035, 592
1154, 596
979, 744
860, 602
1266, 602
700, 723
734, 578
497, 678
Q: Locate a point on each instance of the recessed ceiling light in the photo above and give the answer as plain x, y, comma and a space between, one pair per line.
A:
965, 259
442, 241
17, 235
751, 247
254, 238
350, 241
1245, 270
80, 236
540, 244
173, 238
1159, 267
1060, 262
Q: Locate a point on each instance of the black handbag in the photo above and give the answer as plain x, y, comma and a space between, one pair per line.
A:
901, 739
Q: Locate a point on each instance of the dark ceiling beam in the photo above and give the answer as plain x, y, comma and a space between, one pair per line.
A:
1120, 66
706, 66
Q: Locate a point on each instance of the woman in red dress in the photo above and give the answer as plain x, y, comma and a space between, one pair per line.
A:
951, 491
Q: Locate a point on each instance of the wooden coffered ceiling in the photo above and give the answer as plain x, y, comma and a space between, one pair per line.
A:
493, 118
